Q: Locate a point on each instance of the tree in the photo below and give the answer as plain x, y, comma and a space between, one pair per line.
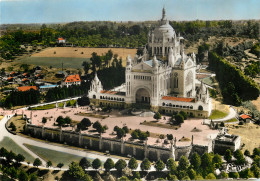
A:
210, 176
192, 173
195, 161
184, 115
157, 116
120, 133
146, 164
246, 173
233, 175
116, 128
240, 157
159, 166
67, 120
109, 164
33, 177
256, 152
97, 125
125, 128
120, 165
75, 171
23, 176
132, 164
83, 101
84, 163
183, 163
179, 118
136, 175
217, 161
10, 156
44, 120
247, 153
169, 136
96, 163
256, 170
206, 164
60, 121
171, 165
60, 165
48, 164
20, 158
228, 155
3, 152
173, 177
37, 162
12, 172
85, 123
124, 178
223, 175
257, 160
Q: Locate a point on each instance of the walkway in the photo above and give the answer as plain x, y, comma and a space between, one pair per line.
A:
232, 114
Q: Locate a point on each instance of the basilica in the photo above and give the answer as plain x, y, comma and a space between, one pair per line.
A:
163, 78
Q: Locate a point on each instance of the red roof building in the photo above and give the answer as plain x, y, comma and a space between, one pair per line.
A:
72, 80
26, 88
244, 116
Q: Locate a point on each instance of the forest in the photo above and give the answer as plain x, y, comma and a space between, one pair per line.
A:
114, 34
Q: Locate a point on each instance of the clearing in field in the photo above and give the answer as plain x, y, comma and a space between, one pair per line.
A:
73, 52
250, 135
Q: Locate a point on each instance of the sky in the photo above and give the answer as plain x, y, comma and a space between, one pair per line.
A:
58, 11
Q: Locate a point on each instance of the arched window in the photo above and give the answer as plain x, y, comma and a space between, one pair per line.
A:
175, 80
94, 96
200, 108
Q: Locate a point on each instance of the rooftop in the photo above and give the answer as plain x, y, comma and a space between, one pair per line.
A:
181, 99
244, 116
26, 88
73, 78
112, 92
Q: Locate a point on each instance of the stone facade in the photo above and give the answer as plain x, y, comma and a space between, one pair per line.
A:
115, 146
169, 84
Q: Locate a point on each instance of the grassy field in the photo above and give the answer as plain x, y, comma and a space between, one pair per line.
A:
48, 106
9, 144
231, 120
18, 122
54, 156
56, 62
250, 134
216, 114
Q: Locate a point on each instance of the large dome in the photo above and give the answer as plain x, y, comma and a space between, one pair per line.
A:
165, 29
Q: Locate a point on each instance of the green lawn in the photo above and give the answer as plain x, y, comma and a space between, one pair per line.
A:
48, 106
68, 62
54, 156
9, 144
231, 120
216, 114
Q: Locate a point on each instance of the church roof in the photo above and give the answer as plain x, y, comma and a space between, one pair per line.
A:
150, 62
181, 99
112, 92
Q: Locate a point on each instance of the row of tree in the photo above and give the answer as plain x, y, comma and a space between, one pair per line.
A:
235, 86
64, 92
18, 98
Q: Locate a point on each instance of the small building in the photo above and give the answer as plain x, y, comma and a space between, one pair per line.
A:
60, 74
226, 141
26, 75
246, 118
26, 88
10, 79
61, 40
72, 80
